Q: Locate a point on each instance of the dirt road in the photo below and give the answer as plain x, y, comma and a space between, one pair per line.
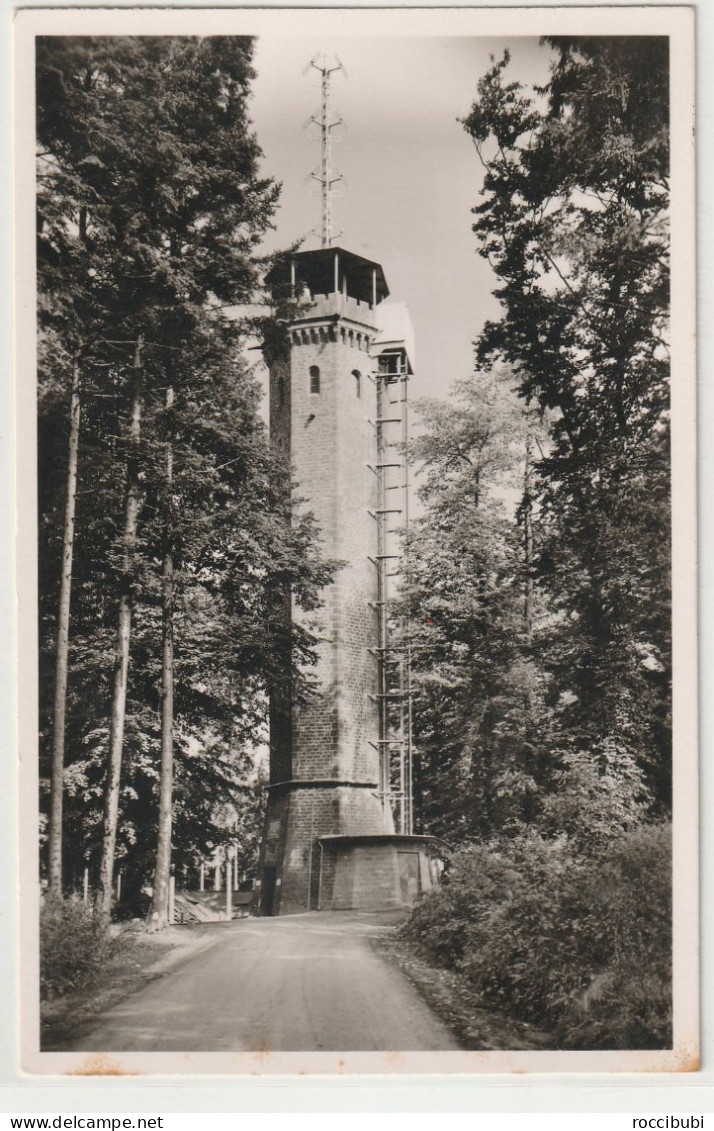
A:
303, 982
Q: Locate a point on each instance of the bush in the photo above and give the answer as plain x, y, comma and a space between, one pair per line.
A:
580, 946
75, 946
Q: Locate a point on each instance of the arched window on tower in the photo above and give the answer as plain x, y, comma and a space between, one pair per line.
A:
314, 379
358, 382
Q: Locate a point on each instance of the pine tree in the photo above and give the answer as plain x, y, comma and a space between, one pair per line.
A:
54, 868
150, 219
71, 316
162, 871
573, 220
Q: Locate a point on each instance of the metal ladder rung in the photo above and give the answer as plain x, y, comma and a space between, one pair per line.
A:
395, 698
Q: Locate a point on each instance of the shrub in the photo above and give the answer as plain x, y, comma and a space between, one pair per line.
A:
579, 945
627, 1001
75, 946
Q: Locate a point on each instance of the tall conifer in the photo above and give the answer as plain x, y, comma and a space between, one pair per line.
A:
153, 202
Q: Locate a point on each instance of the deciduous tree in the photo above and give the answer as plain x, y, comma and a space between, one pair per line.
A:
573, 220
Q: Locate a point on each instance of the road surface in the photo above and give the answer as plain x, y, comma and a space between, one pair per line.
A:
298, 983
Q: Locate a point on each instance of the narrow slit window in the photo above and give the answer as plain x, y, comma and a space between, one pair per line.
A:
314, 379
358, 382
281, 391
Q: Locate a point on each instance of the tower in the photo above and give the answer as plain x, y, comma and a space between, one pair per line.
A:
324, 772
329, 838
339, 763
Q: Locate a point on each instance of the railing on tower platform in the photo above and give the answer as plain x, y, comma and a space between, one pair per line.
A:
393, 651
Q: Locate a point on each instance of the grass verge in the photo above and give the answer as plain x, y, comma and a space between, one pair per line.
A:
455, 1002
140, 958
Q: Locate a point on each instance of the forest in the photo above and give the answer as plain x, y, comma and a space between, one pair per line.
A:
163, 510
537, 588
539, 602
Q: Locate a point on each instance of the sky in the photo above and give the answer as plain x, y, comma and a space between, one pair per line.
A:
411, 171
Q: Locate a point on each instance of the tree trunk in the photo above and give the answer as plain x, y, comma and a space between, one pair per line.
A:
61, 661
528, 809
162, 874
121, 664
527, 511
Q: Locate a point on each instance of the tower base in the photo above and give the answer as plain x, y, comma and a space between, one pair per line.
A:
377, 872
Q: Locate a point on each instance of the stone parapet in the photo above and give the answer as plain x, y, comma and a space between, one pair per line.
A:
334, 306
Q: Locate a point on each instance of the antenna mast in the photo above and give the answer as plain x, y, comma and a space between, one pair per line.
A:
323, 174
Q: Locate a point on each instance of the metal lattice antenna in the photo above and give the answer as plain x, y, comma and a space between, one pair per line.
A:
323, 174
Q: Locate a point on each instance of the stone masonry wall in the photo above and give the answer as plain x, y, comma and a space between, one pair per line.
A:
282, 696
332, 444
366, 877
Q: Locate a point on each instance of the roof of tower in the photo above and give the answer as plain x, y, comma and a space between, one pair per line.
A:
362, 278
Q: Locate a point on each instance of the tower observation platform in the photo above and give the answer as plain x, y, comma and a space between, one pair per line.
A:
338, 831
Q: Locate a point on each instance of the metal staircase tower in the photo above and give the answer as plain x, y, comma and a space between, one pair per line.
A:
393, 650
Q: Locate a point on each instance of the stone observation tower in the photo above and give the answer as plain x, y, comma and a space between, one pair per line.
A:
338, 830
